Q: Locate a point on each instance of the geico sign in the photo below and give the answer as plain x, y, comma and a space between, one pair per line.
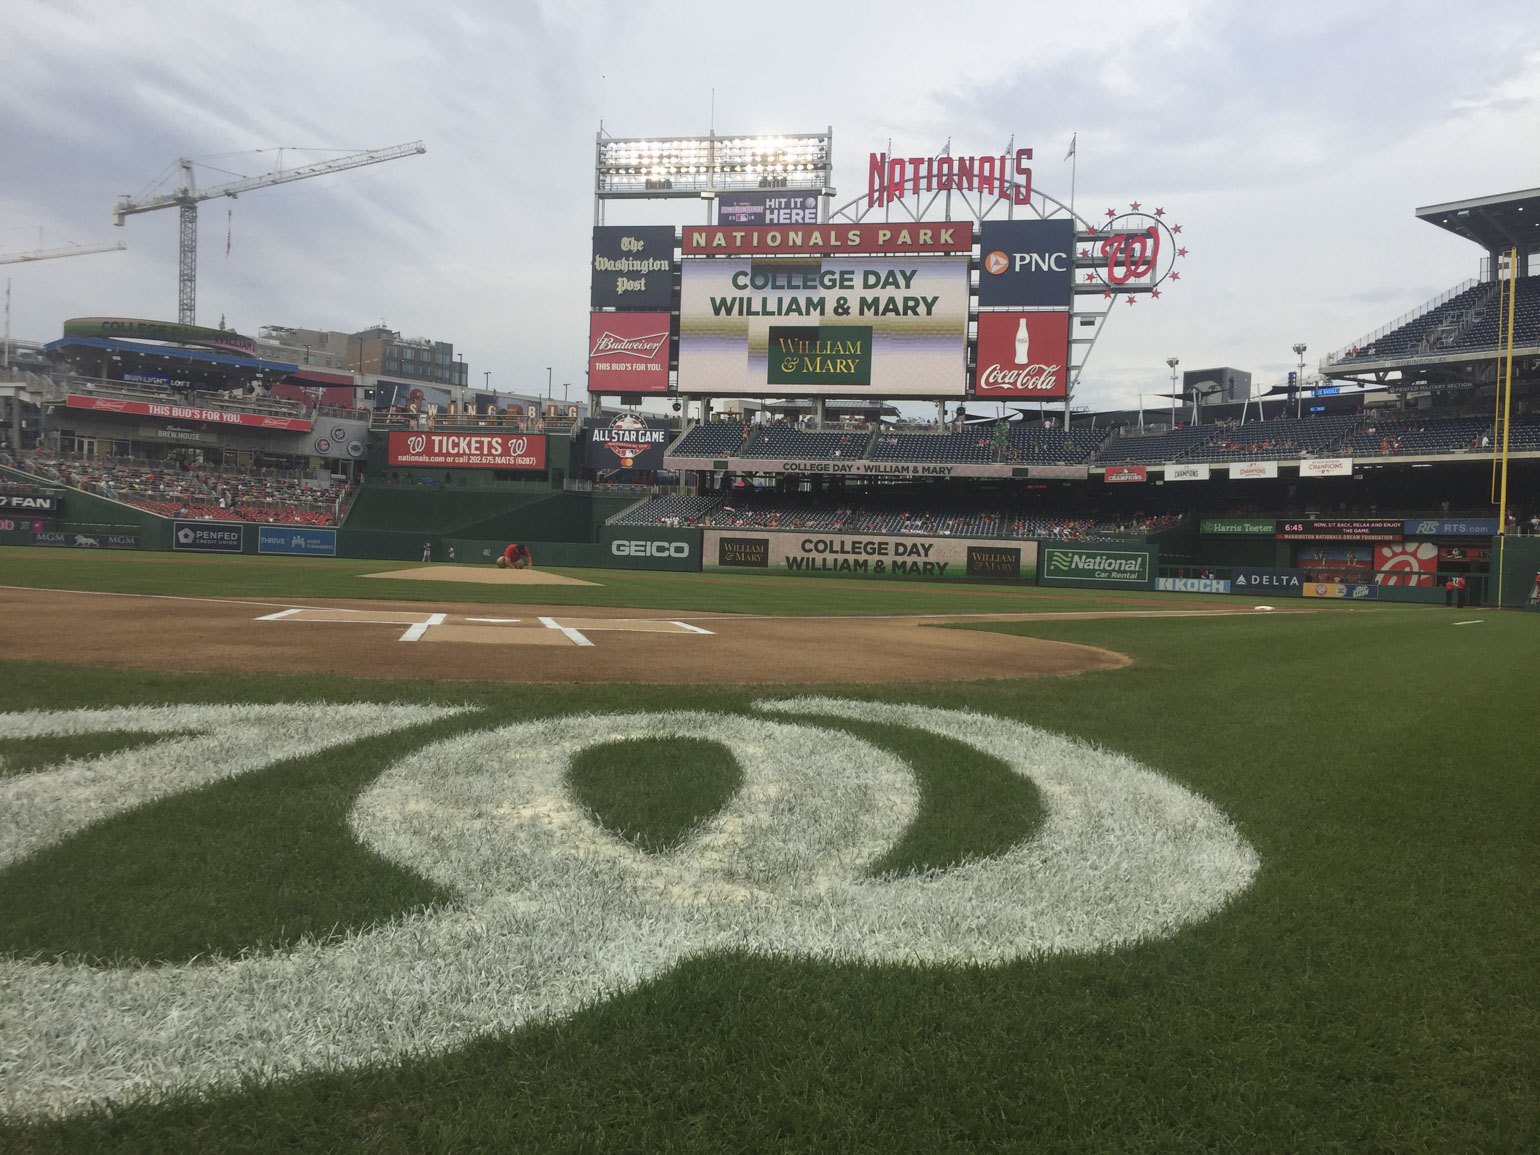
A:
650, 548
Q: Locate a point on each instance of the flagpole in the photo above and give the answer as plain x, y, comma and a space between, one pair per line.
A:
1074, 163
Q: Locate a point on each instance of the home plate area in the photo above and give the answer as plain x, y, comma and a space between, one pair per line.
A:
419, 626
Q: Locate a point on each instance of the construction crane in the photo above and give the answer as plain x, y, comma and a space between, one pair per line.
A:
65, 251
187, 196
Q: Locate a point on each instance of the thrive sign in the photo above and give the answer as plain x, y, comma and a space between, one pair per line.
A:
1121, 568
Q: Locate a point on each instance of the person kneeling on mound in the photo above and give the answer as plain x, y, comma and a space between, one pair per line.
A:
516, 556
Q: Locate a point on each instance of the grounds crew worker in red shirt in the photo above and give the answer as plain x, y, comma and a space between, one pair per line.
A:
516, 556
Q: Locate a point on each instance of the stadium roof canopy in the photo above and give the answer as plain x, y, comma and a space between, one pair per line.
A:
1509, 220
170, 353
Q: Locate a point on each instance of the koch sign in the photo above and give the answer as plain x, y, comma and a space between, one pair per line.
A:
628, 352
297, 541
467, 450
1026, 263
208, 536
1023, 355
632, 267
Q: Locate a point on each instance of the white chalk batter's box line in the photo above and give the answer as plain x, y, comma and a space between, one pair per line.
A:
416, 630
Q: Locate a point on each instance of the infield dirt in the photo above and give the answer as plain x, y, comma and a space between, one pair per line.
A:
538, 643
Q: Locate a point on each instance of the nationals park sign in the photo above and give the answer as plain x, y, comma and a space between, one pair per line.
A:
467, 450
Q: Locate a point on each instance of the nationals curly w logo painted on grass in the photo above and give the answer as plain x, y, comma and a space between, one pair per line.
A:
555, 911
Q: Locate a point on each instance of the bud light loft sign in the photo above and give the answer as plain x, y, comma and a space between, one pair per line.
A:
633, 267
1023, 355
1026, 263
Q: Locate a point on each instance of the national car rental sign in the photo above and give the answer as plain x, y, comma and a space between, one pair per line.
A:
467, 450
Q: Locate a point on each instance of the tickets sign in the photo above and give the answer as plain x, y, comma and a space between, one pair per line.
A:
467, 450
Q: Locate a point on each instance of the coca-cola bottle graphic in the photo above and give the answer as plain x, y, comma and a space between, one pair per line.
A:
1023, 356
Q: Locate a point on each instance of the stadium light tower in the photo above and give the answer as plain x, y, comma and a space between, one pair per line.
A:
1299, 382
1173, 363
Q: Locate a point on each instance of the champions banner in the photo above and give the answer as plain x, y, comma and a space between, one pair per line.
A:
902, 558
840, 326
467, 450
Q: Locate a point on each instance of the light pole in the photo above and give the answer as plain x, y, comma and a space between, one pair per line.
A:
1173, 362
1299, 382
486, 375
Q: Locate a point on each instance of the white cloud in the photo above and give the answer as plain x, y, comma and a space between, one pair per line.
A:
1292, 141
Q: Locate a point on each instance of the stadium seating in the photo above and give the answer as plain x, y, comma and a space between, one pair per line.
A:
787, 441
1032, 444
961, 448
687, 510
205, 493
1134, 448
1278, 439
718, 439
894, 515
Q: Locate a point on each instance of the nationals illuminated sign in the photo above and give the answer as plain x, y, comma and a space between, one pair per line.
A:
1023, 355
467, 450
891, 178
628, 352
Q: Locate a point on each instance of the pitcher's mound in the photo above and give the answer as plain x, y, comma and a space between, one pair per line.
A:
484, 574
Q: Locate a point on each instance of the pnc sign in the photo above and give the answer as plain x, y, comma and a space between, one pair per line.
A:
1028, 263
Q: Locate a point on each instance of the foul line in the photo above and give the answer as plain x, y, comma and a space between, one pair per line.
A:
573, 636
683, 626
1472, 622
413, 633
279, 616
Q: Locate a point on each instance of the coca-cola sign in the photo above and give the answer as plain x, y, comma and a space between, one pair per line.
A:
1023, 355
628, 352
467, 450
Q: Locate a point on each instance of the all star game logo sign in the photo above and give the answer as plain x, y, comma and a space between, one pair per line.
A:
627, 442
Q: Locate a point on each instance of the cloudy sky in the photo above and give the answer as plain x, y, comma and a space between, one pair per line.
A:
1292, 141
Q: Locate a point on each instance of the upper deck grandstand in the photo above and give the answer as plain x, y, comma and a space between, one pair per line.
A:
1455, 339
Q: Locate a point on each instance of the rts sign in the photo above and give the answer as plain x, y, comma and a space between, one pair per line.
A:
1027, 263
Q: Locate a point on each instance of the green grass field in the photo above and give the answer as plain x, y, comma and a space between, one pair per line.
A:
1373, 987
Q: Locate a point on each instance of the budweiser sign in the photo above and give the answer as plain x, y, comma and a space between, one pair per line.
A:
628, 352
1023, 355
186, 413
645, 347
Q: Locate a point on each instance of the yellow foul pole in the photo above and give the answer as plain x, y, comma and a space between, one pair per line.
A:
1502, 507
